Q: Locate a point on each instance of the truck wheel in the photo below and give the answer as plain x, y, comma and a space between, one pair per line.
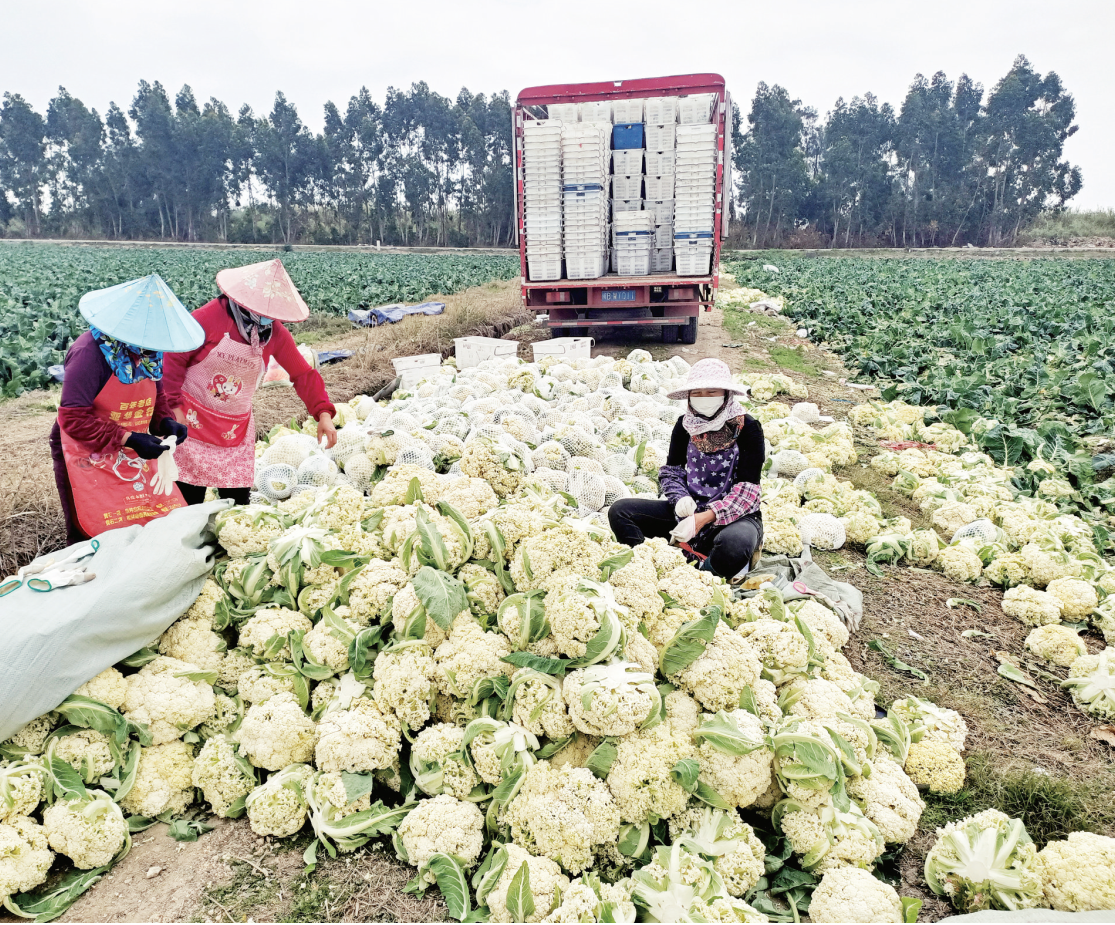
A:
689, 331
670, 333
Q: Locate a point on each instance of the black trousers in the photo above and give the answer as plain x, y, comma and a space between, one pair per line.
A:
729, 548
195, 494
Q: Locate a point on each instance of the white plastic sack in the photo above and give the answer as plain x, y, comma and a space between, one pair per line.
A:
147, 577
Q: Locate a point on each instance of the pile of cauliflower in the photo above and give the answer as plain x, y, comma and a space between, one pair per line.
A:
429, 634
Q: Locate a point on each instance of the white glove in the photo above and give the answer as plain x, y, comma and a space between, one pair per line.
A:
684, 531
166, 474
686, 507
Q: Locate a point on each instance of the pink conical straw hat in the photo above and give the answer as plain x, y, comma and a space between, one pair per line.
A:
266, 289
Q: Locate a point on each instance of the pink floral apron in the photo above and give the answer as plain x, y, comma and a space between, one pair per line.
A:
217, 403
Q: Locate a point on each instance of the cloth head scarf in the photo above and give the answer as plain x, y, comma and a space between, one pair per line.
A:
129, 364
248, 324
710, 435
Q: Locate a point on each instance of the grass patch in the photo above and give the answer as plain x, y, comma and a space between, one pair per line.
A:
893, 503
1050, 807
738, 324
1055, 228
318, 900
795, 360
238, 897
318, 328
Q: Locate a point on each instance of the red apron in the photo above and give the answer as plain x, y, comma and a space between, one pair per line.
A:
113, 489
217, 404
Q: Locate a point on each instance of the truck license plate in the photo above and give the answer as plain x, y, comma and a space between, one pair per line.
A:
618, 295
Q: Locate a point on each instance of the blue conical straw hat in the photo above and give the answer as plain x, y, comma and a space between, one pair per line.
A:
143, 313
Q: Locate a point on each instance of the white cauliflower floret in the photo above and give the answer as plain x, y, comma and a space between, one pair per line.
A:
491, 462
109, 687
935, 764
279, 806
361, 738
483, 589
89, 831
246, 531
640, 778
221, 776
439, 764
563, 814
738, 854
407, 611
1078, 598
546, 880
324, 647
539, 706
951, 516
1032, 607
370, 594
782, 650
832, 837
889, 799
737, 765
277, 733
1078, 873
195, 642
445, 825
204, 606
634, 586
960, 563
851, 894
393, 487
662, 555
163, 782
406, 681
330, 794
345, 508
1043, 567
30, 739
1056, 643
612, 699
89, 752
257, 684
469, 655
471, 498
823, 623
562, 552
814, 698
692, 590
718, 676
25, 857
169, 705
270, 622
585, 900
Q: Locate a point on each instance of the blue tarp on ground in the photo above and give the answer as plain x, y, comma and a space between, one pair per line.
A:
389, 314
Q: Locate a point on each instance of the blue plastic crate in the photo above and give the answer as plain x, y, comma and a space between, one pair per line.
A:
627, 135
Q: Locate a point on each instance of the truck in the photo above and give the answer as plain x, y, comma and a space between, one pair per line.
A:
666, 299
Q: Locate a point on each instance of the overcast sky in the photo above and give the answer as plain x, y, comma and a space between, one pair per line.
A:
244, 50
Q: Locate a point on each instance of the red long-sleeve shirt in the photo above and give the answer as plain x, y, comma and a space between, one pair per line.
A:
214, 317
87, 371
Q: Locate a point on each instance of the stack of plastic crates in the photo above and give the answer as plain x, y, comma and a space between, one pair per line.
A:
661, 114
632, 243
584, 157
694, 190
542, 197
627, 156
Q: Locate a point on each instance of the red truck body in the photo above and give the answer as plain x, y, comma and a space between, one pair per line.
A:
665, 299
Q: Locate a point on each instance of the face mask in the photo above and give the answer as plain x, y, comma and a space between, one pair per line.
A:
263, 322
707, 407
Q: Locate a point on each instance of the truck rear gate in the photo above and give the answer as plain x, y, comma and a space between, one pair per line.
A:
668, 300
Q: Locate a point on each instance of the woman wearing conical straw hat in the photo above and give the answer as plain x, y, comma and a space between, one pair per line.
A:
211, 388
114, 415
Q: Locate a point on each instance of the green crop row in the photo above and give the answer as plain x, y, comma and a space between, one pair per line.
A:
40, 286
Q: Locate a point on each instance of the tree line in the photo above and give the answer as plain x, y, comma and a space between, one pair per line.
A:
948, 167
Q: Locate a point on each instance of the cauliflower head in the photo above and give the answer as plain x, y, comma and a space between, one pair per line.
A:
640, 778
109, 687
277, 733
1032, 607
544, 877
279, 806
161, 695
224, 778
25, 856
890, 799
935, 764
1078, 873
362, 738
163, 781
90, 831
1056, 643
851, 894
441, 824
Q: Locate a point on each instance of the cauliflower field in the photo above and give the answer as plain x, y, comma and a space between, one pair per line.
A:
428, 635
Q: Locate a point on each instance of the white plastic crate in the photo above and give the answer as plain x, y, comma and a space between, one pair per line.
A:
630, 264
660, 110
695, 108
627, 187
661, 259
660, 137
687, 217
664, 235
693, 261
663, 209
627, 163
472, 351
543, 268
633, 221
542, 128
703, 132
599, 111
572, 348
587, 267
659, 187
693, 158
627, 111
411, 369
659, 163
626, 205
566, 112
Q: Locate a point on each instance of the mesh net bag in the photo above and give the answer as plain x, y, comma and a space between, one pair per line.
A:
551, 455
462, 392
290, 450
587, 489
521, 428
614, 489
639, 356
823, 531
626, 433
552, 478
455, 469
318, 470
350, 440
983, 530
642, 485
416, 456
276, 481
455, 425
585, 464
258, 497
401, 420
806, 412
680, 366
610, 380
562, 372
491, 431
620, 467
576, 441
806, 474
360, 469
534, 405
302, 489
788, 463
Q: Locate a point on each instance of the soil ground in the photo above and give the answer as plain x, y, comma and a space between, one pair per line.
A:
1033, 757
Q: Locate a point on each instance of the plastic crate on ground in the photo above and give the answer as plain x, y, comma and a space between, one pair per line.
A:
660, 137
627, 110
572, 348
660, 110
411, 369
472, 351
